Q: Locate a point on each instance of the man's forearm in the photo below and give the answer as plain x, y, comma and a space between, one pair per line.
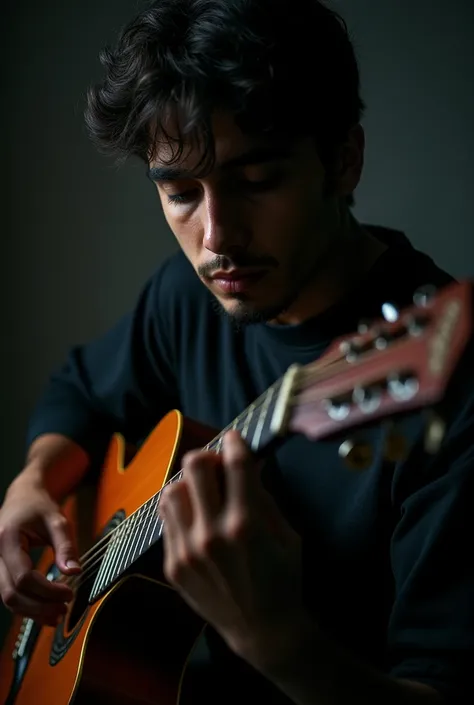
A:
55, 462
316, 671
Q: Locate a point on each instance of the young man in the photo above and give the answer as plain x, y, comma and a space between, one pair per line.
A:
321, 585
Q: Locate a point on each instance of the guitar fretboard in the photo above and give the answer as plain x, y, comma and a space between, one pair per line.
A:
139, 531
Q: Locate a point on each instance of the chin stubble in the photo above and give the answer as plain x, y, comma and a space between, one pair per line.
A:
245, 314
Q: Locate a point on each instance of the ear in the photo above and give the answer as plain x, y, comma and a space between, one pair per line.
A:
350, 162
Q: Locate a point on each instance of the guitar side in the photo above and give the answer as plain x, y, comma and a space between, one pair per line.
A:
132, 645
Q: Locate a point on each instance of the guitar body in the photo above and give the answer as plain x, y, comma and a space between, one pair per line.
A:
132, 645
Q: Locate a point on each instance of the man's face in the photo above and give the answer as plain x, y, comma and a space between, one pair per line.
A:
259, 227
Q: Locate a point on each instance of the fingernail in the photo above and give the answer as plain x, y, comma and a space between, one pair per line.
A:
72, 564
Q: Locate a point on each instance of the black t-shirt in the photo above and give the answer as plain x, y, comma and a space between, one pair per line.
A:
388, 567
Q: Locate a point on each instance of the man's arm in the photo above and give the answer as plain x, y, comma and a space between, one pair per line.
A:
316, 671
120, 382
55, 463
31, 516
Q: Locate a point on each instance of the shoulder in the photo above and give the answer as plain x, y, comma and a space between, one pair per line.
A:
404, 268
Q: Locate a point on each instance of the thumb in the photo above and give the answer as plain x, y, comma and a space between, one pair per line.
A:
60, 532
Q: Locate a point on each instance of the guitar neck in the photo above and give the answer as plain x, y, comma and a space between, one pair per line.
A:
264, 421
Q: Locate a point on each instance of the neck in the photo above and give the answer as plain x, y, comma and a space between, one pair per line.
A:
354, 253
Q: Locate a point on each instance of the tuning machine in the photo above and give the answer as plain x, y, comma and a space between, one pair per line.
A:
402, 386
357, 454
390, 312
363, 326
395, 444
435, 431
424, 295
351, 350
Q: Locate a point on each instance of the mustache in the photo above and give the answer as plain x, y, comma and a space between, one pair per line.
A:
224, 263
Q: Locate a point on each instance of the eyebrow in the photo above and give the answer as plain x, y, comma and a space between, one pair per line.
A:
256, 155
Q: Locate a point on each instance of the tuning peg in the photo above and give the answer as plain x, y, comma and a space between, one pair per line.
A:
423, 296
368, 399
337, 410
395, 447
434, 433
357, 454
382, 341
364, 326
390, 312
402, 387
350, 350
416, 325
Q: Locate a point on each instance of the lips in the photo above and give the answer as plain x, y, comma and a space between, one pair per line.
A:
237, 281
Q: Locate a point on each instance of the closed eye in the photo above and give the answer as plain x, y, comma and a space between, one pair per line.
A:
241, 184
184, 197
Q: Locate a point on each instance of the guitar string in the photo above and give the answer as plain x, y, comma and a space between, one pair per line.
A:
101, 546
94, 555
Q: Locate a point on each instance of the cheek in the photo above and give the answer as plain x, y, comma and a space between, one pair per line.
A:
287, 219
187, 228
189, 237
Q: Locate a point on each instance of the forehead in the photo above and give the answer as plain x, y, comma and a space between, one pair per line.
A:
231, 148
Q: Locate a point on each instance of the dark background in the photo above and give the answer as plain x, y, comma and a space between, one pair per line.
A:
79, 236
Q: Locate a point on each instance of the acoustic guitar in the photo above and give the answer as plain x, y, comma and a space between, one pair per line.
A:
102, 651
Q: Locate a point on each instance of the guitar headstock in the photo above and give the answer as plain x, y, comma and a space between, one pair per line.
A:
405, 361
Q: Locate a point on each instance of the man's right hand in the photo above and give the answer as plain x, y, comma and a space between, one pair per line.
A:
29, 518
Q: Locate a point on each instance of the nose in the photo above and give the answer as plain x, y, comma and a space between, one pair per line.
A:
225, 229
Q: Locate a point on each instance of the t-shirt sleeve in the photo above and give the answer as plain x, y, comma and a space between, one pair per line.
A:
431, 630
123, 381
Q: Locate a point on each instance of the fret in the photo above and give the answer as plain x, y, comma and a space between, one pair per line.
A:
123, 547
135, 520
157, 531
101, 578
98, 580
112, 550
257, 437
248, 418
119, 546
146, 529
128, 542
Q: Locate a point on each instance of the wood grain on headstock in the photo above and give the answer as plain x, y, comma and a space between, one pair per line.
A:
390, 369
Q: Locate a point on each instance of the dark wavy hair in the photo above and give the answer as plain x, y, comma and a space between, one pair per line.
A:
284, 68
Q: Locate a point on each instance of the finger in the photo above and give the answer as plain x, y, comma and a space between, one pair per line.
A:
60, 532
176, 513
16, 602
175, 501
241, 471
22, 575
203, 475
